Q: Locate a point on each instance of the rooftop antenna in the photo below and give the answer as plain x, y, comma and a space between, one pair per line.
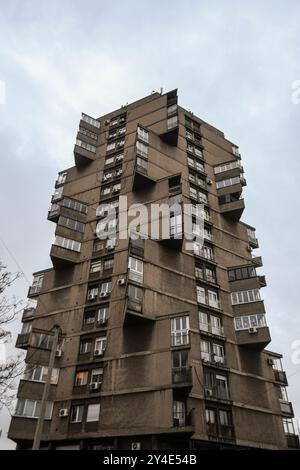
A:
161, 90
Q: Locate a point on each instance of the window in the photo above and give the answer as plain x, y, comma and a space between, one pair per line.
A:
89, 134
74, 205
76, 414
203, 321
61, 177
283, 393
97, 376
180, 359
57, 193
135, 293
143, 134
179, 412
180, 331
244, 297
86, 146
241, 273
198, 195
96, 266
216, 325
42, 341
109, 161
85, 346
92, 293
102, 314
142, 149
194, 150
172, 109
201, 295
224, 418
100, 344
176, 225
98, 245
105, 287
172, 122
210, 416
90, 120
250, 321
111, 146
89, 318
227, 166
93, 412
205, 350
114, 159
67, 243
204, 251
26, 328
140, 162
31, 408
213, 300
38, 373
218, 352
81, 378
136, 270
108, 264
71, 224
228, 182
288, 426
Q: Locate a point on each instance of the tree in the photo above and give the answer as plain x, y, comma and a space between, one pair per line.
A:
11, 367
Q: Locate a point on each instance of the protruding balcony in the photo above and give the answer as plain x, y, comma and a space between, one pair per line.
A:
134, 313
28, 313
23, 341
292, 441
262, 281
182, 376
84, 153
53, 213
257, 260
233, 209
170, 136
286, 408
255, 338
280, 376
61, 257
140, 176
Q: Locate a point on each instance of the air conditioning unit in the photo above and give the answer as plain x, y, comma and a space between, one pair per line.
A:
63, 412
208, 392
107, 122
103, 321
98, 352
92, 297
249, 248
58, 352
252, 330
95, 386
136, 446
121, 282
104, 294
270, 361
119, 158
208, 181
115, 190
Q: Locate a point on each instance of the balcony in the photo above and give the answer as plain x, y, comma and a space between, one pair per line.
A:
184, 420
253, 241
254, 338
82, 155
23, 341
292, 441
212, 359
28, 313
141, 178
53, 213
182, 376
61, 257
134, 313
217, 393
257, 261
220, 432
280, 376
286, 408
233, 209
211, 330
34, 290
262, 281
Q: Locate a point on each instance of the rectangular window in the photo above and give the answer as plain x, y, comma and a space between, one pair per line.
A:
213, 300
180, 331
142, 149
243, 297
97, 376
89, 134
89, 318
105, 287
93, 122
74, 205
250, 321
102, 315
61, 177
31, 408
179, 412
218, 351
96, 266
201, 298
38, 373
92, 293
143, 134
93, 412
81, 378
172, 109
108, 264
67, 244
172, 122
100, 344
85, 346
57, 193
86, 146
76, 414
135, 293
227, 166
205, 350
71, 224
136, 270
228, 182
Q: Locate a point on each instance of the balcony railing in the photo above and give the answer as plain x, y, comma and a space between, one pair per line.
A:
23, 340
220, 432
286, 408
180, 338
181, 375
208, 328
181, 419
199, 274
217, 392
213, 359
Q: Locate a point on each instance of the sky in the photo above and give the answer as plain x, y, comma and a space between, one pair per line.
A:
234, 64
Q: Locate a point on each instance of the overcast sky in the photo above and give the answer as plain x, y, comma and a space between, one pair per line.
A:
234, 66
